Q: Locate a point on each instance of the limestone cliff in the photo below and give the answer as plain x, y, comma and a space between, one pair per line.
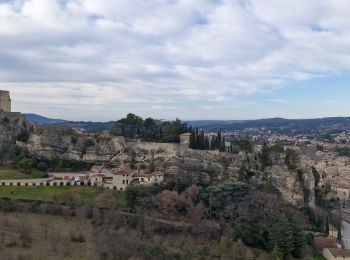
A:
52, 142
296, 187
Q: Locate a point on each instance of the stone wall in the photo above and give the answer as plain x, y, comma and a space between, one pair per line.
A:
5, 101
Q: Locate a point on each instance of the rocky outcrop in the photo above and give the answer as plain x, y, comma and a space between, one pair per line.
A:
12, 128
52, 142
296, 187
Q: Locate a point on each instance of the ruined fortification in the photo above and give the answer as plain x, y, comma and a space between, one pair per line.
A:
5, 101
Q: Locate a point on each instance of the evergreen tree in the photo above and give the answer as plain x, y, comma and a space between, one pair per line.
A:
283, 237
218, 140
213, 143
265, 156
193, 139
206, 142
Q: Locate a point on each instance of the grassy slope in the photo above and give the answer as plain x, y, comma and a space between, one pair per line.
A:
77, 194
8, 173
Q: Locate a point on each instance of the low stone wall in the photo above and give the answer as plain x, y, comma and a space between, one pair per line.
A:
26, 182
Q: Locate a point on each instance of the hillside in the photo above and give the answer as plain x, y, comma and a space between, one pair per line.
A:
88, 126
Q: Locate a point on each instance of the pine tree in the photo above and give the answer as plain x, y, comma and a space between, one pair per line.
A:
283, 237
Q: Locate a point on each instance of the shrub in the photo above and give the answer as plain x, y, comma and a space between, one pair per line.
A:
25, 165
23, 136
42, 166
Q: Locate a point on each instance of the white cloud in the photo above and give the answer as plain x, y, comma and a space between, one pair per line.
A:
102, 53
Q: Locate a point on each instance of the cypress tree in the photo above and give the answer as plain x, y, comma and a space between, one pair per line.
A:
327, 225
193, 140
206, 141
197, 135
213, 143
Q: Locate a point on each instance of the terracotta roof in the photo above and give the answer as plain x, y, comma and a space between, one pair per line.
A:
121, 171
338, 252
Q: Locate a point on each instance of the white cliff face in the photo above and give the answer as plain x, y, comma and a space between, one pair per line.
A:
52, 142
56, 142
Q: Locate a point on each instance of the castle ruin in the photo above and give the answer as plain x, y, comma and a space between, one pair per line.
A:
5, 101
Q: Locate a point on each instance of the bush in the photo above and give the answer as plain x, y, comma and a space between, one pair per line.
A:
23, 136
25, 165
42, 166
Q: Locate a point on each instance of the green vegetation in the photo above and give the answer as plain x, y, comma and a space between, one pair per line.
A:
133, 126
25, 165
291, 159
62, 165
134, 195
343, 151
199, 141
76, 195
9, 174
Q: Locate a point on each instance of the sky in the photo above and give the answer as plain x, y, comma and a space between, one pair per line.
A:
98, 60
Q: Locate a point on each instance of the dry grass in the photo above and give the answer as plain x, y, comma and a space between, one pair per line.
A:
45, 237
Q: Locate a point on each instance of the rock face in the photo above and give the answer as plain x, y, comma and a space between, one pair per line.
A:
12, 128
298, 188
53, 142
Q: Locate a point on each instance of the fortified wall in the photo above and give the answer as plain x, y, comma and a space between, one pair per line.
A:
5, 101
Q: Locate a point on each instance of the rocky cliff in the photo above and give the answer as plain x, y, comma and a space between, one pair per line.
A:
12, 128
52, 142
296, 187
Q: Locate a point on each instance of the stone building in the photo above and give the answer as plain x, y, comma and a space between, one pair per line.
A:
185, 139
5, 101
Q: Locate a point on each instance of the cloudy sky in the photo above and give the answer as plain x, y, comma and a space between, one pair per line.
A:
193, 59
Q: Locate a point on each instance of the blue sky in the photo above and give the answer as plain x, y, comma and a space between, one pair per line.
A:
193, 59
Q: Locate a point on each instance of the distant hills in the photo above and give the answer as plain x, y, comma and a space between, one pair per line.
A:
291, 124
88, 126
41, 120
209, 125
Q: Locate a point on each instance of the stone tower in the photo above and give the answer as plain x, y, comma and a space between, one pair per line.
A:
5, 101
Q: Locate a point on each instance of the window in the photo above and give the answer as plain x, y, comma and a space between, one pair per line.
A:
127, 181
123, 181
